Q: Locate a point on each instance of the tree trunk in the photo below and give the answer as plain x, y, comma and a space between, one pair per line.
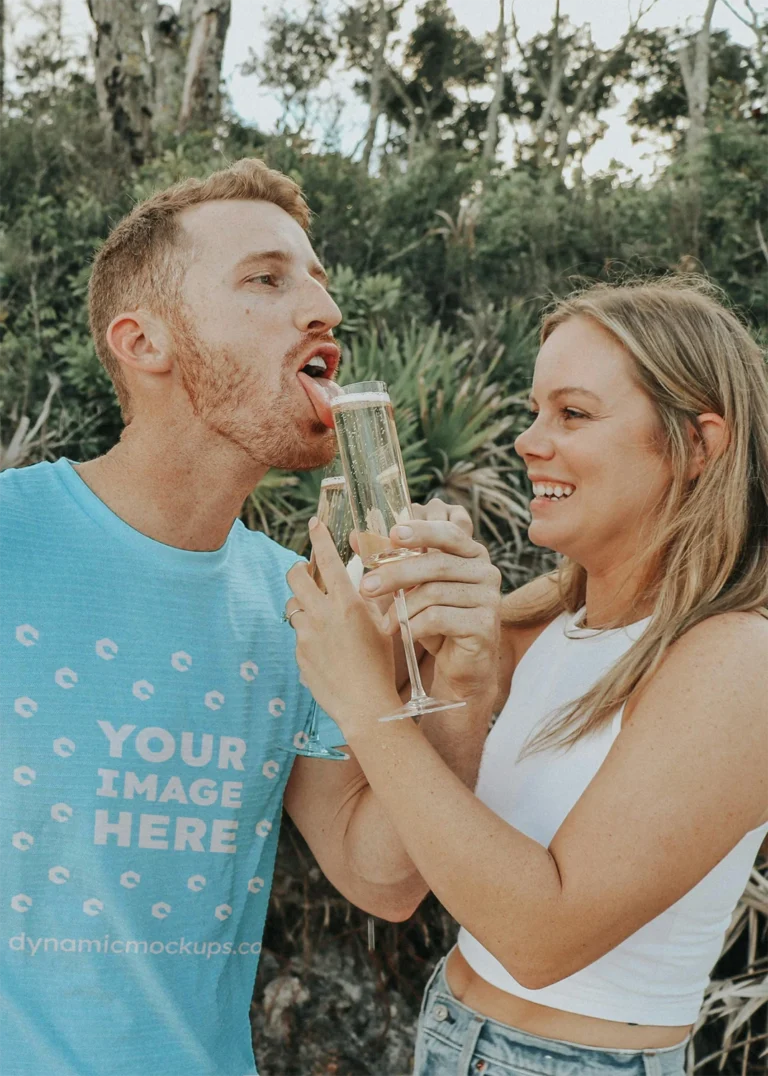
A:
492, 127
411, 113
123, 75
166, 34
2, 52
694, 67
201, 92
377, 80
553, 89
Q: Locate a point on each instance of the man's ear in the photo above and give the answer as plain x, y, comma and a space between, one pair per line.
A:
711, 440
141, 341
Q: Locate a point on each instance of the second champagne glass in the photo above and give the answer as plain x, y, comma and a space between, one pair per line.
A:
333, 510
379, 499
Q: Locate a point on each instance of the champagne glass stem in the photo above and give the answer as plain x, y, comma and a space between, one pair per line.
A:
314, 746
312, 726
417, 688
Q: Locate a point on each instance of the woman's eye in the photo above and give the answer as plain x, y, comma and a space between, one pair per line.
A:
262, 278
566, 412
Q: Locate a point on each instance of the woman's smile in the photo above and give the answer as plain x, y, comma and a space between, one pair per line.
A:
550, 491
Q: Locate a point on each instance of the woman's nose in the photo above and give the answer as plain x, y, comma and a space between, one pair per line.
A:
534, 442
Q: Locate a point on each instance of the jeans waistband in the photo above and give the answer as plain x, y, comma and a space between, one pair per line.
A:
451, 1020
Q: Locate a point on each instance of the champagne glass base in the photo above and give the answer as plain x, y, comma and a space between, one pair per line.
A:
319, 751
419, 707
315, 749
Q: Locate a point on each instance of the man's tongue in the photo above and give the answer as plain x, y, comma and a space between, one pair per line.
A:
320, 391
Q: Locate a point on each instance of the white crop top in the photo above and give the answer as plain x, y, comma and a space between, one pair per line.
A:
658, 974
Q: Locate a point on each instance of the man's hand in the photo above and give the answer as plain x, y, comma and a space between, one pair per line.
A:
343, 652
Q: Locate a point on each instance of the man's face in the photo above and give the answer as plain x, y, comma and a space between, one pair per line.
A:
255, 310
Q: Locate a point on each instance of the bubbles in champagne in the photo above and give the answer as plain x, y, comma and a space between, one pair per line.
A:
333, 510
367, 436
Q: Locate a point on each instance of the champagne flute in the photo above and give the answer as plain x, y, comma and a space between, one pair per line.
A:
379, 499
333, 510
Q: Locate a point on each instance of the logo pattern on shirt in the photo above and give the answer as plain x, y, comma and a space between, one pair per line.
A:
154, 744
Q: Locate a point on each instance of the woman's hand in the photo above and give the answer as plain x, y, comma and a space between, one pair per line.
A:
342, 647
453, 598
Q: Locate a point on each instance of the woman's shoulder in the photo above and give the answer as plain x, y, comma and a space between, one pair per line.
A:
724, 655
729, 638
518, 631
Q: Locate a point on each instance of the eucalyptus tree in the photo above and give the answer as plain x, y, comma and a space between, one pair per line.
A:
569, 80
447, 65
123, 75
693, 58
298, 52
2, 52
661, 101
366, 34
757, 22
494, 110
201, 91
157, 72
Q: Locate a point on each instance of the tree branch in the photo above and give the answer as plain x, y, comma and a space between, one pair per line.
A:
377, 66
2, 50
750, 24
761, 240
492, 126
535, 69
686, 68
413, 119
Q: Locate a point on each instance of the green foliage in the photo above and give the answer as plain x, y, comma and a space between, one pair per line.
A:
369, 301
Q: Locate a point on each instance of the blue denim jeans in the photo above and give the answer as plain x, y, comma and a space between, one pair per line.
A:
453, 1040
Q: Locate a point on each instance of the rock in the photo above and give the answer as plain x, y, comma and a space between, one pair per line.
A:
280, 996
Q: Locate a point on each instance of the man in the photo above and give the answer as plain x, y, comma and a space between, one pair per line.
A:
149, 689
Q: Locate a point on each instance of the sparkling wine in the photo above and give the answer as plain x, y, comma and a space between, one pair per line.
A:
378, 496
378, 491
333, 510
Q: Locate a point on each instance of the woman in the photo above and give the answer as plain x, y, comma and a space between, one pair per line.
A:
623, 791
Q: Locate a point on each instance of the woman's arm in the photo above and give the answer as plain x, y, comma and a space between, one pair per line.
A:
344, 824
683, 783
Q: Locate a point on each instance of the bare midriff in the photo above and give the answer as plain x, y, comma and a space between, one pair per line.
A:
476, 993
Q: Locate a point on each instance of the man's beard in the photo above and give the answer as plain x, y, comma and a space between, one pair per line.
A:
216, 387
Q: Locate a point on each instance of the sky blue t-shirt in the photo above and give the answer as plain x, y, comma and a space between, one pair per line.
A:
149, 697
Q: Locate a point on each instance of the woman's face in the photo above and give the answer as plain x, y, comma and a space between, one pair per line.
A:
597, 472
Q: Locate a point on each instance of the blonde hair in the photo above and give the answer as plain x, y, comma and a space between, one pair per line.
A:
141, 264
709, 552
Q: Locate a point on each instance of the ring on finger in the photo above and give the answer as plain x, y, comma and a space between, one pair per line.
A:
293, 612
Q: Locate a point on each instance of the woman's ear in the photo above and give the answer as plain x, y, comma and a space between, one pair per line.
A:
710, 441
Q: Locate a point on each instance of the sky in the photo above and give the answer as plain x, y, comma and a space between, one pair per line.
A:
608, 19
